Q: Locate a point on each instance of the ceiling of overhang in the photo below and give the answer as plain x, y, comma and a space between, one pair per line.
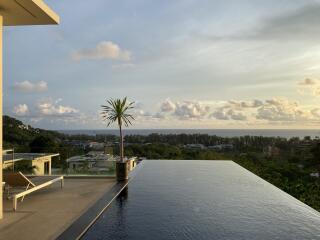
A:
27, 12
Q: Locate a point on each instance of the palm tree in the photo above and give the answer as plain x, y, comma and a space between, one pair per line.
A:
116, 110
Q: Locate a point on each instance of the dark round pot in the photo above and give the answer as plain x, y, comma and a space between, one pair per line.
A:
122, 171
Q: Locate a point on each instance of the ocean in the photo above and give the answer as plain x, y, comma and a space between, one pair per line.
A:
286, 133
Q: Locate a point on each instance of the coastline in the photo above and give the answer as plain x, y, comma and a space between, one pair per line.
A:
286, 133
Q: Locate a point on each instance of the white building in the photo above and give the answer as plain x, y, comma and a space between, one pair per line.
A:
94, 161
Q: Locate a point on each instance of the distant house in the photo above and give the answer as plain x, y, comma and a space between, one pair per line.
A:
96, 145
221, 147
271, 151
305, 145
315, 174
96, 161
77, 143
132, 163
195, 146
40, 163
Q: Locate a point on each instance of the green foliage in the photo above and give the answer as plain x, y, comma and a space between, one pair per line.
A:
24, 138
116, 110
43, 144
18, 135
290, 170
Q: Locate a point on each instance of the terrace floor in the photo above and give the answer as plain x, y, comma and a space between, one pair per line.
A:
46, 213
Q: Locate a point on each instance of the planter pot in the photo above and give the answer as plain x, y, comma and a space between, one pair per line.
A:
122, 171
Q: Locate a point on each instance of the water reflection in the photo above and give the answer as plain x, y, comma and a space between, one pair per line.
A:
203, 200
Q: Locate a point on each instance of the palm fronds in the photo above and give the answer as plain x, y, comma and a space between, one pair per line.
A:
116, 111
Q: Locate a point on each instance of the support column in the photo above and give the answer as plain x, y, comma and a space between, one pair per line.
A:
1, 29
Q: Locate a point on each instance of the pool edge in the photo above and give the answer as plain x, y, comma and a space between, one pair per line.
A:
80, 226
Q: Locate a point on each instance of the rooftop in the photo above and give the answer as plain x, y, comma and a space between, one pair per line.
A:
45, 214
27, 156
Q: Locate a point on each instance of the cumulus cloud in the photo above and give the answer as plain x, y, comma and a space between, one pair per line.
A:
244, 104
281, 109
191, 109
308, 82
103, 50
309, 86
316, 91
27, 86
228, 114
49, 108
220, 115
21, 110
168, 106
238, 116
262, 112
315, 112
183, 109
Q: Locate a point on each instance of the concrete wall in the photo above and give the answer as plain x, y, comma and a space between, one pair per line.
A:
7, 165
39, 165
131, 164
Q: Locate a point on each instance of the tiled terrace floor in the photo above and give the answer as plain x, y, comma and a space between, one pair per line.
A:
46, 213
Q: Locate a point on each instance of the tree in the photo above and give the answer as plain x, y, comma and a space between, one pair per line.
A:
316, 155
43, 144
116, 110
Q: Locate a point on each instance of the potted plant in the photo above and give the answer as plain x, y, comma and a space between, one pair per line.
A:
116, 110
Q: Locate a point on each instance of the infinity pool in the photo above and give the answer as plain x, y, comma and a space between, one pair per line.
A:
170, 199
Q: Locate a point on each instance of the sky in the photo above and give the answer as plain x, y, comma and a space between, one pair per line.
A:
185, 63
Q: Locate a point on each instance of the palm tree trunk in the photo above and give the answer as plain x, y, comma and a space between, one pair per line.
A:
121, 143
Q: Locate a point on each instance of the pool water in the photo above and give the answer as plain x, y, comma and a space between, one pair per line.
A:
193, 199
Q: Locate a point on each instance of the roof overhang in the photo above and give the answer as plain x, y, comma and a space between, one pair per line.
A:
27, 12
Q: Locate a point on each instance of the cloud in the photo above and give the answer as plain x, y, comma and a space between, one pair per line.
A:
27, 86
21, 110
168, 106
103, 50
308, 82
294, 25
220, 115
238, 116
316, 91
281, 109
123, 66
190, 110
49, 108
244, 104
316, 112
309, 86
53, 112
182, 109
270, 112
223, 114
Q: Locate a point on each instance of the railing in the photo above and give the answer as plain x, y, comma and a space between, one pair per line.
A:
108, 169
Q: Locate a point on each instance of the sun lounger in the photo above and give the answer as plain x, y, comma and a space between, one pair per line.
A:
28, 184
